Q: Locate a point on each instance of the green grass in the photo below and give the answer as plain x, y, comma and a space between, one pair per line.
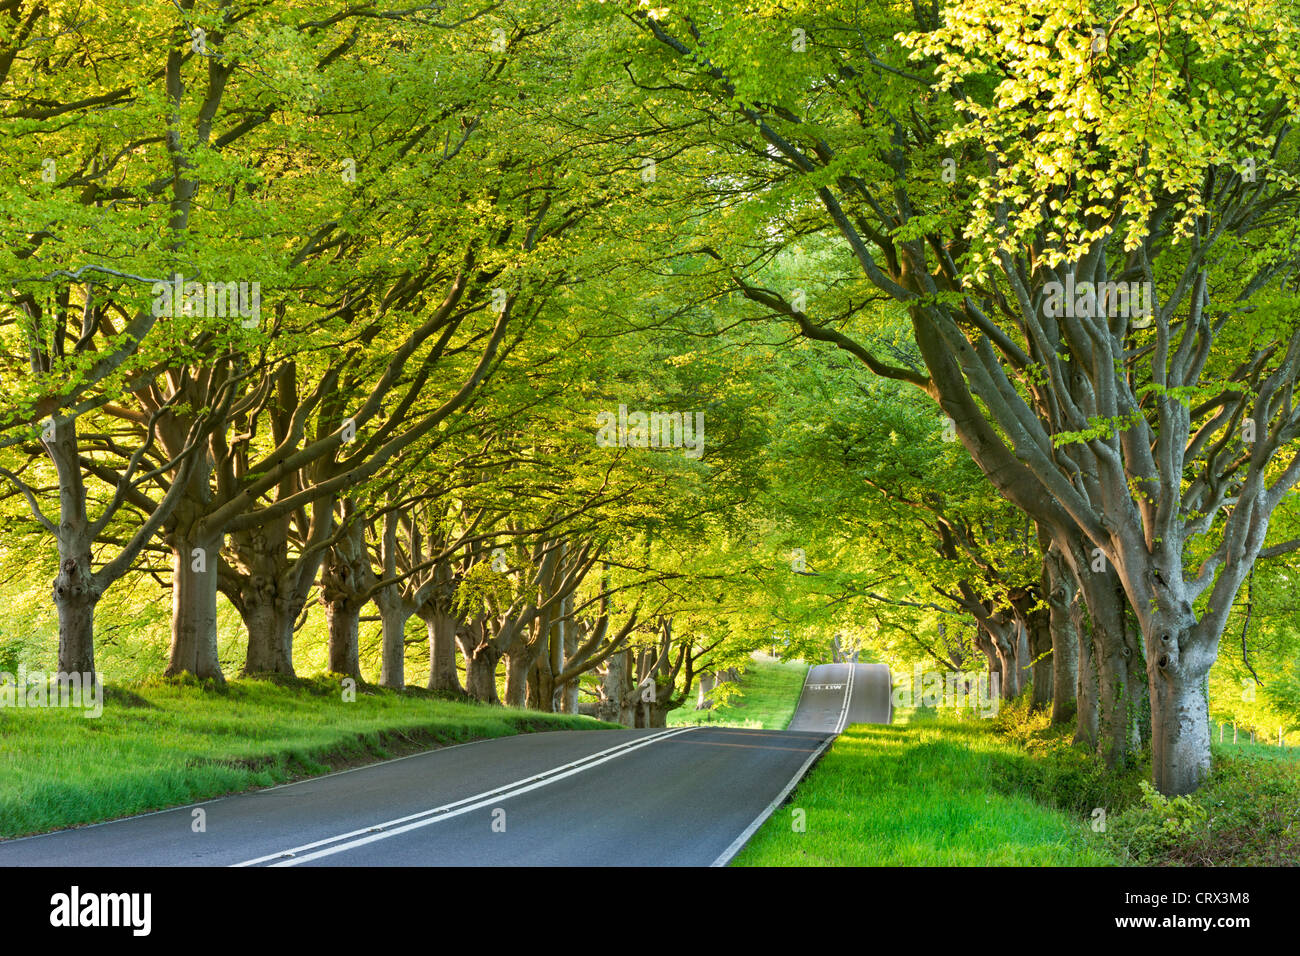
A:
1261, 749
769, 691
175, 743
919, 794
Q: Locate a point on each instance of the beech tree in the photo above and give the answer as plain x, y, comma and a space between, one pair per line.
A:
1120, 433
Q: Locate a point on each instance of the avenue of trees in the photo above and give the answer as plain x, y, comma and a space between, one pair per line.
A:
562, 355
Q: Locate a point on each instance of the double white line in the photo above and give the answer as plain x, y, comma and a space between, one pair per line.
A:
848, 696
382, 831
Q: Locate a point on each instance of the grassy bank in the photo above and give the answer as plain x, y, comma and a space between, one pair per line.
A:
1247, 813
175, 743
918, 793
766, 700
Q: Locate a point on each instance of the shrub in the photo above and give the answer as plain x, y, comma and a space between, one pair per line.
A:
1246, 814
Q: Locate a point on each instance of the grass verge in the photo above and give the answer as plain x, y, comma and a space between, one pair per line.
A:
919, 793
174, 743
766, 699
1247, 813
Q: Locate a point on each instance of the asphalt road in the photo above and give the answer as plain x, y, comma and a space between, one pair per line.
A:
677, 797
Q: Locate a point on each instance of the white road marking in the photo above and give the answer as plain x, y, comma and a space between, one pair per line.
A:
848, 696
739, 843
382, 831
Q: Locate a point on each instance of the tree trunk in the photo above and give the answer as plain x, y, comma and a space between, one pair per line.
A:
194, 607
703, 702
1004, 636
1119, 736
985, 643
393, 615
1038, 626
541, 685
569, 692
615, 705
1024, 656
343, 620
1062, 596
1087, 727
1117, 658
481, 661
264, 597
1180, 728
519, 662
75, 591
269, 622
1180, 653
75, 598
345, 579
654, 713
441, 628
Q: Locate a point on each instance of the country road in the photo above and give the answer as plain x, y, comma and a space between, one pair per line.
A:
675, 797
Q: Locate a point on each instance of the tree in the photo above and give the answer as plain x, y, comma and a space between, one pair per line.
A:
1120, 433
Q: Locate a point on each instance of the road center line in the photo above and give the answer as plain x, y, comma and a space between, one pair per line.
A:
382, 831
848, 696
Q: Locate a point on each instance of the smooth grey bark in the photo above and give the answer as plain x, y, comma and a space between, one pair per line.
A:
75, 590
568, 690
394, 612
520, 660
1024, 657
481, 659
441, 630
194, 608
343, 626
345, 582
440, 623
266, 586
703, 702
617, 700
75, 598
1088, 697
1038, 628
1034, 645
1180, 740
984, 641
1004, 635
1062, 599
196, 557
